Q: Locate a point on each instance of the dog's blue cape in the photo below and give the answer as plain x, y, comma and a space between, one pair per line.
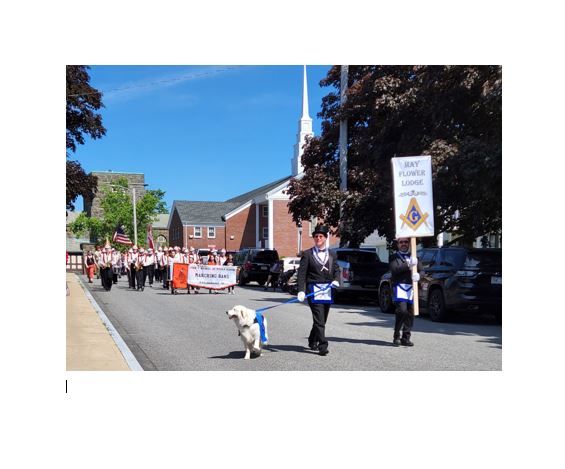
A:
261, 322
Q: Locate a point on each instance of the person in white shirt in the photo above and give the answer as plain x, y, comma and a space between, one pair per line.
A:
222, 257
158, 268
132, 261
105, 265
177, 258
116, 265
149, 267
139, 271
165, 267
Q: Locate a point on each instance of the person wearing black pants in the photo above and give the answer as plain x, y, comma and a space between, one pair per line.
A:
318, 271
105, 266
149, 267
401, 264
132, 261
140, 270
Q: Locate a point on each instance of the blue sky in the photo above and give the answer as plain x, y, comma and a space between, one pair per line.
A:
200, 132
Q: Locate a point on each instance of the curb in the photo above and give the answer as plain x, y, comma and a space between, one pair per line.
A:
122, 346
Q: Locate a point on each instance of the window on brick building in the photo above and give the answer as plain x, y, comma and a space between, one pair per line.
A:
198, 232
265, 232
211, 232
265, 209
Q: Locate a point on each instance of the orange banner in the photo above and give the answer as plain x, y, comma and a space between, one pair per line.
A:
180, 275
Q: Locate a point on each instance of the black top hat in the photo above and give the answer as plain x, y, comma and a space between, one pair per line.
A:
321, 229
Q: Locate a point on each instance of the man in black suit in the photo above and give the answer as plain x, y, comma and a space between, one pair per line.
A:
401, 264
319, 272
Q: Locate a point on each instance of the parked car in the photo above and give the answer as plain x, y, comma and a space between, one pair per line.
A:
255, 264
291, 263
454, 279
360, 270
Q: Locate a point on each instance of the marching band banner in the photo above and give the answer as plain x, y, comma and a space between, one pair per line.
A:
413, 197
215, 277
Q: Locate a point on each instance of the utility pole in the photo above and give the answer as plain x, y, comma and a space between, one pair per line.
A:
134, 219
342, 148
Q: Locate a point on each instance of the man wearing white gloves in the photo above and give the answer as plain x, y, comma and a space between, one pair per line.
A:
317, 274
401, 264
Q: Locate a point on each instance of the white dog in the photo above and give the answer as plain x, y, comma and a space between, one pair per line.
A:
246, 321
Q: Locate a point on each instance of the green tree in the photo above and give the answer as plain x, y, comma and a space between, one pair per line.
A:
117, 205
453, 113
82, 102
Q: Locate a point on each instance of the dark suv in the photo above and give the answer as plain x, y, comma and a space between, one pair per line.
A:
255, 264
454, 279
360, 270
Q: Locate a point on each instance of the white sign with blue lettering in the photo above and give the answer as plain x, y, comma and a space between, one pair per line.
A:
413, 196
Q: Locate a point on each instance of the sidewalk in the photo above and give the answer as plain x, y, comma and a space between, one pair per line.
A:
90, 346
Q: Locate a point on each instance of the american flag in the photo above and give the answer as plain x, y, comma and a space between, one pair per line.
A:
121, 237
150, 237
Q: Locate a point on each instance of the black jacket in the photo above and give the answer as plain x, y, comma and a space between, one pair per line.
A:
400, 272
310, 270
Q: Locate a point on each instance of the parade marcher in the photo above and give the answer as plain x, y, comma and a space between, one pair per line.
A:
132, 261
212, 261
139, 270
193, 259
105, 265
222, 257
318, 272
158, 257
165, 265
175, 257
274, 273
124, 263
229, 261
401, 264
128, 267
97, 254
149, 267
116, 265
90, 265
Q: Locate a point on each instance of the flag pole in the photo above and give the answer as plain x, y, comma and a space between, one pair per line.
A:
414, 284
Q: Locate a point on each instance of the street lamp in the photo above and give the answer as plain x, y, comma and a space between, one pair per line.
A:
134, 208
135, 216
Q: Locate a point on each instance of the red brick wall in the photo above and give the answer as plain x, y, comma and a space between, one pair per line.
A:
242, 227
204, 242
285, 237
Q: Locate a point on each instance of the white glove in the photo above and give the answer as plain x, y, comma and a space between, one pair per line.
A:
412, 261
301, 295
335, 284
416, 277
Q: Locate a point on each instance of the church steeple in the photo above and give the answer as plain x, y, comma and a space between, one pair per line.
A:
304, 130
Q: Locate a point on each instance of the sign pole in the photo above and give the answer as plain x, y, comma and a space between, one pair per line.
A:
414, 284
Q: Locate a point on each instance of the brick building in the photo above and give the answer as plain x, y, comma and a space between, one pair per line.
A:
258, 218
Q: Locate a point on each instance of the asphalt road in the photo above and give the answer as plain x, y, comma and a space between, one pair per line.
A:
192, 332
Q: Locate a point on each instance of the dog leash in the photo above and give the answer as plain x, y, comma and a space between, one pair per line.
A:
293, 300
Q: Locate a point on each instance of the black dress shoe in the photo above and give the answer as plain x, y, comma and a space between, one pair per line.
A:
396, 342
312, 345
406, 343
323, 353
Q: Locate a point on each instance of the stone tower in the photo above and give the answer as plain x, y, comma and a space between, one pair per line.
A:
105, 179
